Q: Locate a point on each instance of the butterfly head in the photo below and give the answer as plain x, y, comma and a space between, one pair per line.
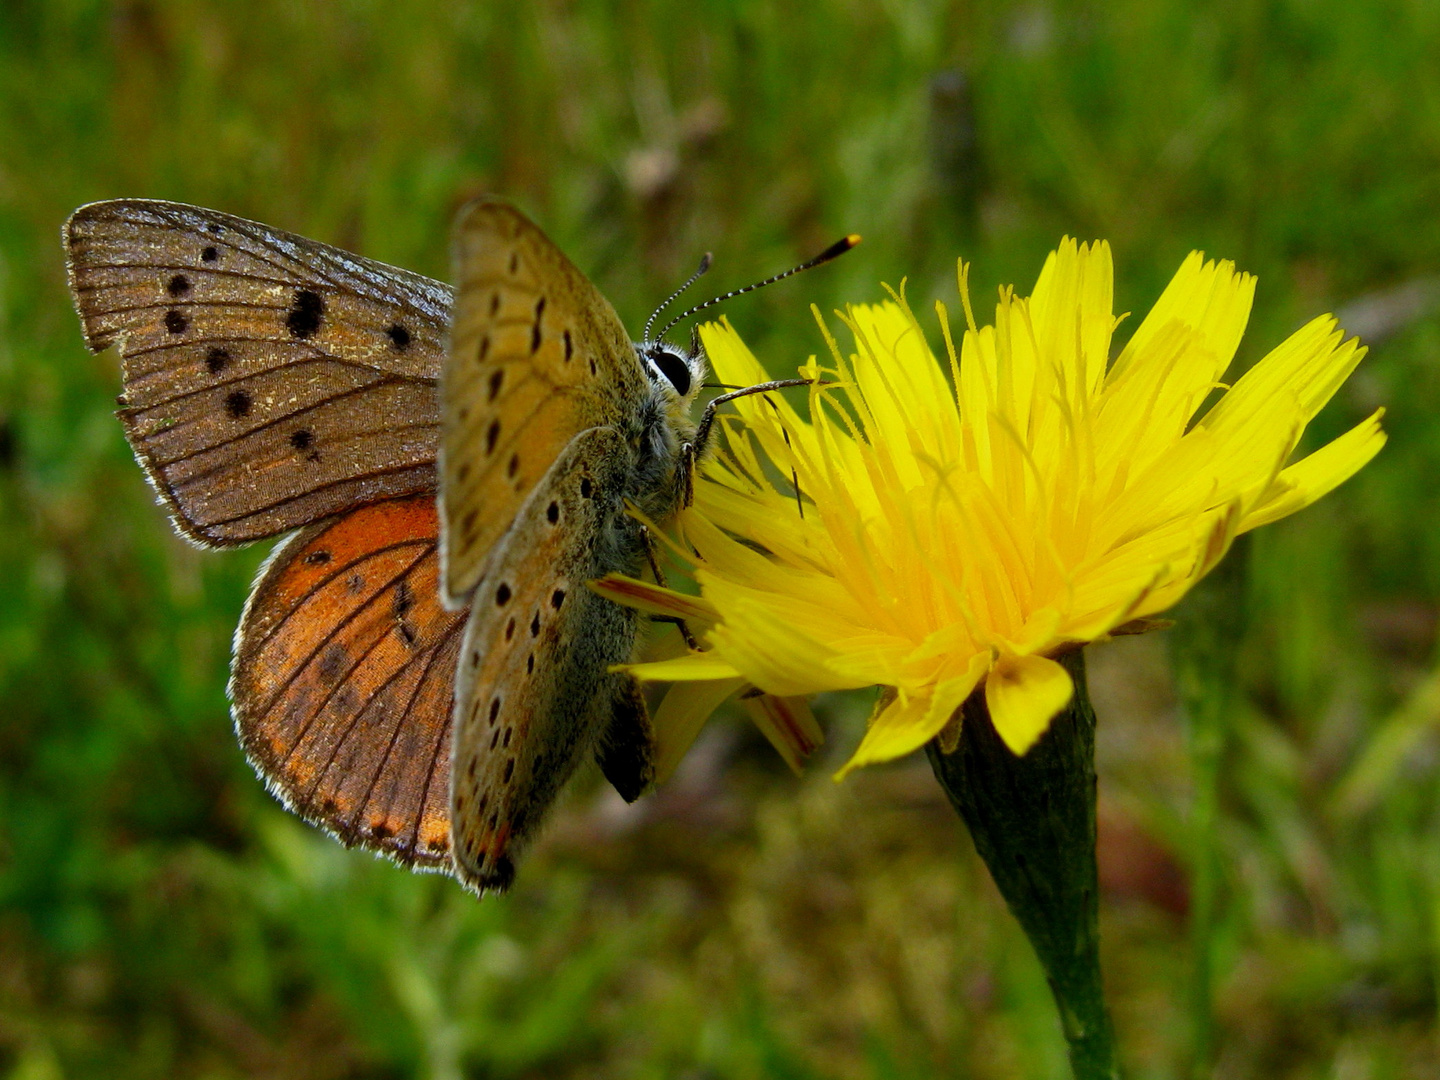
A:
675, 373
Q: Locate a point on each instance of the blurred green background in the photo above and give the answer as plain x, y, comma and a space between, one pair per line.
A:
1270, 842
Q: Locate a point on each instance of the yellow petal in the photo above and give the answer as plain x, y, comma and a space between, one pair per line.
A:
654, 599
789, 725
1208, 297
1071, 308
680, 717
1024, 693
692, 667
1326, 469
729, 357
907, 723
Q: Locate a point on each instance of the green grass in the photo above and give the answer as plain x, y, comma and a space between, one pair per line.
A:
160, 916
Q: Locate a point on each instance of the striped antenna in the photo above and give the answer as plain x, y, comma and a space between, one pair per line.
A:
833, 251
704, 266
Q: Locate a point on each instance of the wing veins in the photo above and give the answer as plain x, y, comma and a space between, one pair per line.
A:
440, 743
199, 271
307, 257
220, 385
196, 478
233, 439
354, 720
429, 658
326, 487
310, 593
315, 355
329, 637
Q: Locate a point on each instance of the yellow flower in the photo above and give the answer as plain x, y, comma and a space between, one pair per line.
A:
933, 534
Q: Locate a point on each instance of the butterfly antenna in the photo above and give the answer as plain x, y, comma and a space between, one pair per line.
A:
704, 266
833, 251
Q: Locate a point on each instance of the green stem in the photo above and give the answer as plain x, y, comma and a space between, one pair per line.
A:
1033, 822
1204, 645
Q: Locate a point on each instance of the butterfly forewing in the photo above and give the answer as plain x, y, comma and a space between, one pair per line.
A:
269, 380
343, 680
537, 355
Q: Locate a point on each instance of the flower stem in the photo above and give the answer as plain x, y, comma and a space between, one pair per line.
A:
1204, 646
1033, 822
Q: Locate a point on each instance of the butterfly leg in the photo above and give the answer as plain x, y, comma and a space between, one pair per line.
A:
692, 451
652, 556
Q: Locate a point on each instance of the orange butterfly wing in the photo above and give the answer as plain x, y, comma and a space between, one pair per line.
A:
344, 678
537, 355
269, 380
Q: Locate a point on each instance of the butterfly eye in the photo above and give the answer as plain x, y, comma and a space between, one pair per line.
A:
674, 368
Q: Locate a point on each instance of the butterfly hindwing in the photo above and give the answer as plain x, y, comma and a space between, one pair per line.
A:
537, 355
269, 380
344, 675
534, 689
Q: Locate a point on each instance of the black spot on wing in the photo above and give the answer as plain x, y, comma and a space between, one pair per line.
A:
399, 337
334, 662
535, 334
237, 404
306, 314
175, 322
209, 254
216, 360
178, 285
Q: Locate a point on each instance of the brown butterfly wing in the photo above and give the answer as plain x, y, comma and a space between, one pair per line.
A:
344, 676
537, 355
269, 380
535, 691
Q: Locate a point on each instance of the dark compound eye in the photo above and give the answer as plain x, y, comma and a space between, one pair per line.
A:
674, 368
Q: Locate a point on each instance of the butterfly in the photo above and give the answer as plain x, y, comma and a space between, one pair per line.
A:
419, 679
419, 668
